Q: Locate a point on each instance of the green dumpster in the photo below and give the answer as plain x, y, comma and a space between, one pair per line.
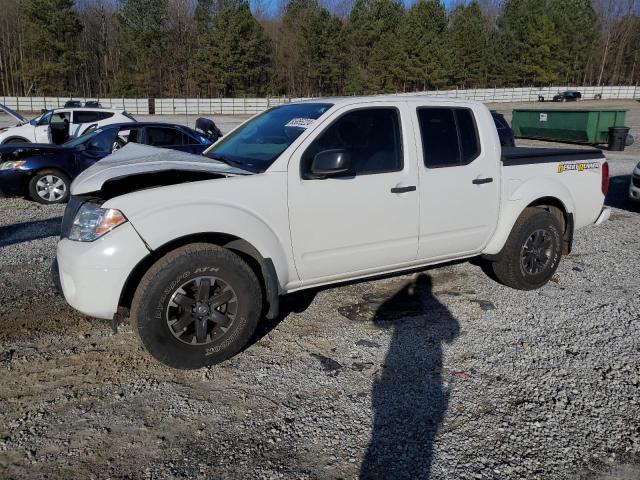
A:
572, 126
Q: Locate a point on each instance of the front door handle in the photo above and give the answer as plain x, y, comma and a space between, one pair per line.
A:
410, 188
480, 181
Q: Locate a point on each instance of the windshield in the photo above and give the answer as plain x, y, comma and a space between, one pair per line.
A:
43, 119
256, 144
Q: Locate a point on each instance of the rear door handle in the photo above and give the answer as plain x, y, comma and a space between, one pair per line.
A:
410, 188
480, 181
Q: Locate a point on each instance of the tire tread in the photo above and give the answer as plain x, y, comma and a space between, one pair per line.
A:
234, 261
507, 267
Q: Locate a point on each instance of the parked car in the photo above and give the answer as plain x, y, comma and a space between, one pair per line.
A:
505, 133
567, 96
59, 125
634, 187
309, 194
73, 104
92, 104
44, 172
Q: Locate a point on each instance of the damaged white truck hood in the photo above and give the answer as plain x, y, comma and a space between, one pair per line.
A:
135, 159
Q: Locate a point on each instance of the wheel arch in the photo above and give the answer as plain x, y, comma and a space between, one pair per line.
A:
261, 266
38, 170
558, 209
559, 204
15, 137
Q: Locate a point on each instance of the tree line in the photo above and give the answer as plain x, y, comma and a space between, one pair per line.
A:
212, 48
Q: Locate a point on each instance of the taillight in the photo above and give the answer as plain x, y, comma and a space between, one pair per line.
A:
605, 178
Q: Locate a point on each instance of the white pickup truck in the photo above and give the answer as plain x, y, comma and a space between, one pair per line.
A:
196, 249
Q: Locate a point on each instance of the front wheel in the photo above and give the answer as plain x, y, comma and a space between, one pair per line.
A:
197, 306
532, 252
49, 186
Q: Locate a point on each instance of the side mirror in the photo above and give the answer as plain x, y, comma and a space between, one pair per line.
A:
329, 163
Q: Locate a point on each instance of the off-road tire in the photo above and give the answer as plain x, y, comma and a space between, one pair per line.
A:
509, 268
54, 174
153, 295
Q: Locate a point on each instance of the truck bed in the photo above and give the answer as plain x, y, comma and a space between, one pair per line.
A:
528, 155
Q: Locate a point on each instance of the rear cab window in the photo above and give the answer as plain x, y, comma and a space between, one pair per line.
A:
449, 136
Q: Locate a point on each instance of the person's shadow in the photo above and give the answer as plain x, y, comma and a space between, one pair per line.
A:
409, 399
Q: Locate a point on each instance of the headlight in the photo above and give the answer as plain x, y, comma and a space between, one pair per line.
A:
92, 222
13, 165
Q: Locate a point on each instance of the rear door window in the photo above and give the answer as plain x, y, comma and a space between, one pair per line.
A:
85, 117
162, 136
449, 136
104, 115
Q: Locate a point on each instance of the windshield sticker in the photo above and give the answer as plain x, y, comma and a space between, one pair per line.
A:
580, 167
300, 122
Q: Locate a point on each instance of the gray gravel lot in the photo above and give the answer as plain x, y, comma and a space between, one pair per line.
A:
443, 374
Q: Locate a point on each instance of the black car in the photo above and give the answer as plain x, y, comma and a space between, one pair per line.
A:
92, 104
44, 171
567, 96
504, 130
73, 104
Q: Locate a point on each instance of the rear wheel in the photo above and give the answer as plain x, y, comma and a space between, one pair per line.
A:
16, 140
532, 252
49, 186
197, 306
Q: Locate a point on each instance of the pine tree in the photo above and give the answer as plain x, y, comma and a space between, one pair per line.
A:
240, 53
52, 30
143, 41
528, 43
315, 57
422, 33
576, 24
469, 40
359, 41
377, 56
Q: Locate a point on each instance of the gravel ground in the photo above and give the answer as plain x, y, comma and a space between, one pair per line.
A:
442, 374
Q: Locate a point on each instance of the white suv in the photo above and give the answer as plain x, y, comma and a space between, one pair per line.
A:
59, 125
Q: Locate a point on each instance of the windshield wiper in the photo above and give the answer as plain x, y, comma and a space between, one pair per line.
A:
232, 163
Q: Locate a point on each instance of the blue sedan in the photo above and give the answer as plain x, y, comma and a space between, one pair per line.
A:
44, 172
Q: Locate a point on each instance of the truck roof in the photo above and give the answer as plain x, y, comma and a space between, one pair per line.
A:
437, 100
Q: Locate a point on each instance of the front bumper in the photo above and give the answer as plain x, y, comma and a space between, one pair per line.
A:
93, 274
12, 182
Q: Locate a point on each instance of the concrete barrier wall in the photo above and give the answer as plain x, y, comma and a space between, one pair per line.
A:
243, 106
